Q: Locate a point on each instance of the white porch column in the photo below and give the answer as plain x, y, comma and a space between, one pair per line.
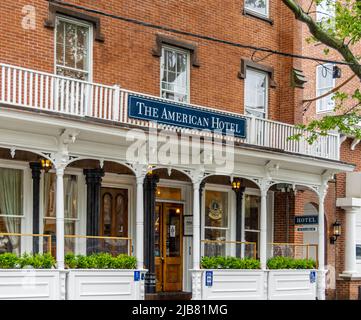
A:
352, 207
139, 241
196, 227
321, 285
263, 225
60, 217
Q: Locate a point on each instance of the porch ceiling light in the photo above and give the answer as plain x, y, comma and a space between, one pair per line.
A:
46, 164
336, 231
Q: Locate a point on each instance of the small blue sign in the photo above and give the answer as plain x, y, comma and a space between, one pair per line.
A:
313, 276
187, 117
209, 278
142, 276
136, 275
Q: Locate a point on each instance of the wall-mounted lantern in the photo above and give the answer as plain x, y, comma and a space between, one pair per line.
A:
46, 164
336, 232
336, 72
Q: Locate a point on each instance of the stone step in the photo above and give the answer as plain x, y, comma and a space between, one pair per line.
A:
178, 295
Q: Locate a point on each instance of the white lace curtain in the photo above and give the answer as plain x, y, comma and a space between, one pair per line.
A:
70, 198
11, 203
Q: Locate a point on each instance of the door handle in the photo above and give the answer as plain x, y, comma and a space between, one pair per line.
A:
162, 258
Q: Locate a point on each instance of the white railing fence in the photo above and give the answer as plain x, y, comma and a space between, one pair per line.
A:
48, 92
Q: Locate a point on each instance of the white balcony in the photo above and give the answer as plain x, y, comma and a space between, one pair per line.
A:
56, 94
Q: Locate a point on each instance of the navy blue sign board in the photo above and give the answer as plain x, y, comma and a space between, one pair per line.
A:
313, 276
209, 278
306, 220
136, 275
180, 115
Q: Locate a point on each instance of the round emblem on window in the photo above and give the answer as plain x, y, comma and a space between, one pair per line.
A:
215, 210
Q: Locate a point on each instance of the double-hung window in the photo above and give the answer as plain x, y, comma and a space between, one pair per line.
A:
325, 83
73, 48
259, 7
256, 93
175, 74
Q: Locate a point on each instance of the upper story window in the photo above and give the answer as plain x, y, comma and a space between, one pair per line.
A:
325, 11
73, 49
325, 83
256, 93
175, 74
260, 7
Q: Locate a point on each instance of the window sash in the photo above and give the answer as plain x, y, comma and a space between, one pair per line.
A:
180, 89
251, 91
87, 46
326, 103
264, 13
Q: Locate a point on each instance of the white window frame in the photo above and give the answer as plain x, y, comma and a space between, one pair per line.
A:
230, 231
90, 44
318, 111
266, 15
182, 51
267, 90
26, 217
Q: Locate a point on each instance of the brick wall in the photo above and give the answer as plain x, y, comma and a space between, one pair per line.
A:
335, 252
126, 58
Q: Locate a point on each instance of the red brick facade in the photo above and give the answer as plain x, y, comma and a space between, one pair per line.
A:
125, 58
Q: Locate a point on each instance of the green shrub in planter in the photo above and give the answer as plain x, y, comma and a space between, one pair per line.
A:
220, 262
100, 261
290, 263
36, 261
8, 261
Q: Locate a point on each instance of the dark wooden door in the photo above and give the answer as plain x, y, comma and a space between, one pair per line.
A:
114, 219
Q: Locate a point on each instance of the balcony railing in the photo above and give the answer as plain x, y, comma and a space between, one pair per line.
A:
44, 91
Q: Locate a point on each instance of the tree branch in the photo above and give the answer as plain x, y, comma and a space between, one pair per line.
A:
324, 37
331, 91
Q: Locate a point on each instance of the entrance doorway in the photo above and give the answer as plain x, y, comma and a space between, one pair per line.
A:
168, 247
114, 220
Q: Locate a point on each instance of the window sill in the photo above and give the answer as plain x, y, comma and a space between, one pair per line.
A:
257, 16
324, 111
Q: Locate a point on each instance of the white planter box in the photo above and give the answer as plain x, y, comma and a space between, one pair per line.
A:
96, 284
291, 285
29, 284
232, 285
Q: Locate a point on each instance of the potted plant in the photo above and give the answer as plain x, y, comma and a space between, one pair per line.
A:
103, 276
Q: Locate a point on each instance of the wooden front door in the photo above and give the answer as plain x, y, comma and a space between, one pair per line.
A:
114, 220
169, 247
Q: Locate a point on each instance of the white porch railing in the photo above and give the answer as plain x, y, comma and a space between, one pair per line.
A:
48, 92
